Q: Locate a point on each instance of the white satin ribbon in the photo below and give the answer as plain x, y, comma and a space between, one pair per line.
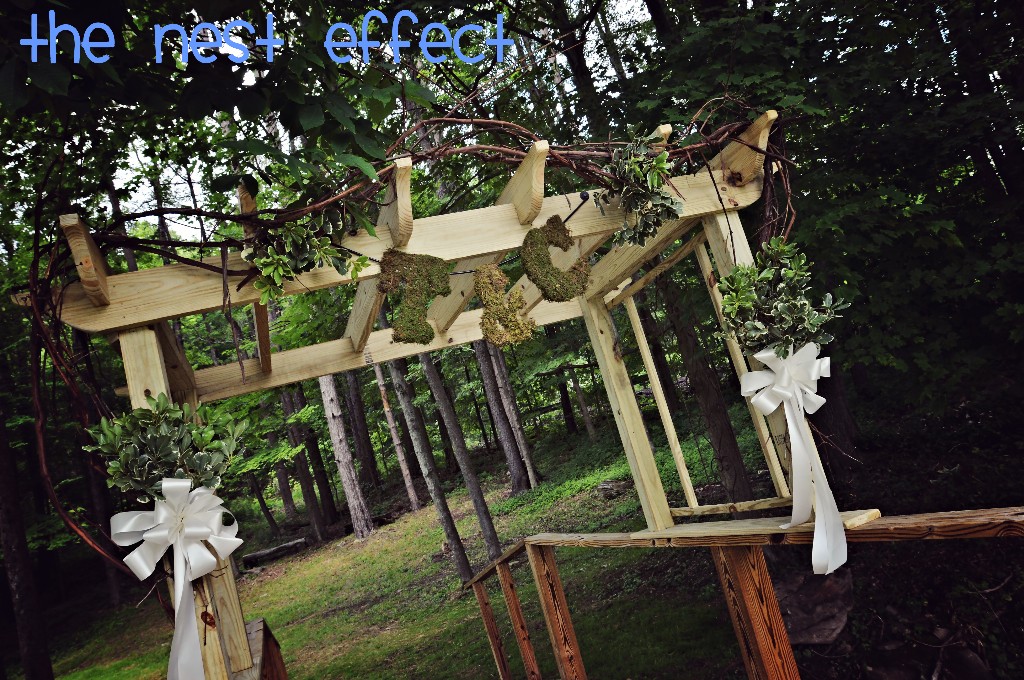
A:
793, 382
182, 521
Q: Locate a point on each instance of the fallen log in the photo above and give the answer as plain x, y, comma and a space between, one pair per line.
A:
271, 554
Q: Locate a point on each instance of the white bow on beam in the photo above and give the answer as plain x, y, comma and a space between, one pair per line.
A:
191, 523
793, 382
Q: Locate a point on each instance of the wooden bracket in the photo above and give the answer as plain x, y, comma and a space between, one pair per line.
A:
739, 162
397, 210
90, 263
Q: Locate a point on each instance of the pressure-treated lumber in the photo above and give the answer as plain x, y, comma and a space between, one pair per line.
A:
493, 636
228, 617
754, 610
729, 508
694, 244
365, 308
90, 263
524, 192
740, 527
180, 376
492, 566
654, 381
261, 320
556, 612
628, 418
740, 162
143, 365
519, 627
266, 653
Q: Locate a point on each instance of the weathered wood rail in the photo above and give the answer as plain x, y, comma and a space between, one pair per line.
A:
736, 548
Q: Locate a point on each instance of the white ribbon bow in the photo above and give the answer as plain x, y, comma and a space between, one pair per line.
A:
182, 521
793, 381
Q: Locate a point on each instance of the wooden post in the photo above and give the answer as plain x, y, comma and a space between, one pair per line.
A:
556, 612
497, 647
627, 414
659, 399
515, 613
90, 263
755, 613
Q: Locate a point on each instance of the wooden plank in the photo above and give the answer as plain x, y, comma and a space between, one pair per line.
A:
230, 622
515, 613
628, 419
254, 634
754, 610
365, 307
729, 508
211, 646
143, 365
396, 213
176, 290
268, 662
659, 399
90, 263
758, 526
677, 256
493, 635
739, 163
485, 573
261, 320
556, 612
180, 375
443, 311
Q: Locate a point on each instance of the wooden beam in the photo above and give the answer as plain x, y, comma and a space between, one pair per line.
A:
677, 255
754, 610
556, 612
628, 419
743, 527
493, 635
739, 162
365, 306
515, 615
261, 320
659, 399
729, 508
396, 214
171, 291
524, 192
180, 376
144, 366
90, 263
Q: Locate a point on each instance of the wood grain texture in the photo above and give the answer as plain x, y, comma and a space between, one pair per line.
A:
261, 320
487, 571
626, 411
556, 612
728, 508
180, 376
739, 163
493, 635
144, 367
90, 263
228, 612
754, 610
677, 256
743, 527
365, 307
211, 646
519, 627
268, 664
396, 212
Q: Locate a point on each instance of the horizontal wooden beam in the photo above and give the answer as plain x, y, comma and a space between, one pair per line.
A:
727, 508
740, 527
171, 291
396, 212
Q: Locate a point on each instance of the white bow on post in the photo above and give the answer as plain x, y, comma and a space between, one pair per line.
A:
182, 521
793, 382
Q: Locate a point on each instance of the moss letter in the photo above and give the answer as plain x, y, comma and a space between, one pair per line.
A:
501, 322
421, 278
555, 285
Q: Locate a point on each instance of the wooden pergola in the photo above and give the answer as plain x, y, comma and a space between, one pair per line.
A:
134, 308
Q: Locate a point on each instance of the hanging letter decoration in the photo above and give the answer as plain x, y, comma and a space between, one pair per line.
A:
501, 322
793, 382
421, 278
555, 285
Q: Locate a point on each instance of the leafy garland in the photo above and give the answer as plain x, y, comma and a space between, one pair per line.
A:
640, 170
421, 278
767, 304
554, 284
502, 323
144, 446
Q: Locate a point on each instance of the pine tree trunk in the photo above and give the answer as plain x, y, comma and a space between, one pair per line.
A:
426, 460
368, 473
359, 511
323, 481
479, 416
450, 419
28, 621
503, 429
284, 487
254, 487
588, 422
708, 392
301, 464
508, 400
414, 500
565, 401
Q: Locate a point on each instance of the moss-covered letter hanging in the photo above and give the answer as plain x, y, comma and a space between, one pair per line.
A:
421, 278
501, 322
555, 285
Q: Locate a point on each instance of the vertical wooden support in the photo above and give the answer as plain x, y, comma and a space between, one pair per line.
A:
143, 365
497, 647
556, 612
627, 414
755, 613
215, 664
90, 263
261, 320
729, 245
220, 584
515, 613
659, 398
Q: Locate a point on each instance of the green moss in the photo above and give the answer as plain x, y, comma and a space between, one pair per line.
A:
501, 322
421, 278
555, 285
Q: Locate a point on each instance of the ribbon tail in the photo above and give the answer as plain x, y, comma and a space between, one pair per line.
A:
186, 662
828, 551
803, 491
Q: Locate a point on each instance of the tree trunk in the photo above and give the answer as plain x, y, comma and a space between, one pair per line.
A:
450, 419
301, 463
668, 383
446, 441
503, 429
588, 422
663, 24
708, 392
414, 500
323, 482
426, 460
836, 424
368, 473
284, 487
566, 403
254, 487
479, 415
102, 510
362, 521
508, 400
28, 615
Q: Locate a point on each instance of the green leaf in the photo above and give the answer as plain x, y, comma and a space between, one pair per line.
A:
311, 116
52, 78
359, 162
225, 183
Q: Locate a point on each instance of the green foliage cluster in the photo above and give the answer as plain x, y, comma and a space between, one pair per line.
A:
767, 304
296, 247
554, 284
420, 278
146, 445
641, 171
502, 322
